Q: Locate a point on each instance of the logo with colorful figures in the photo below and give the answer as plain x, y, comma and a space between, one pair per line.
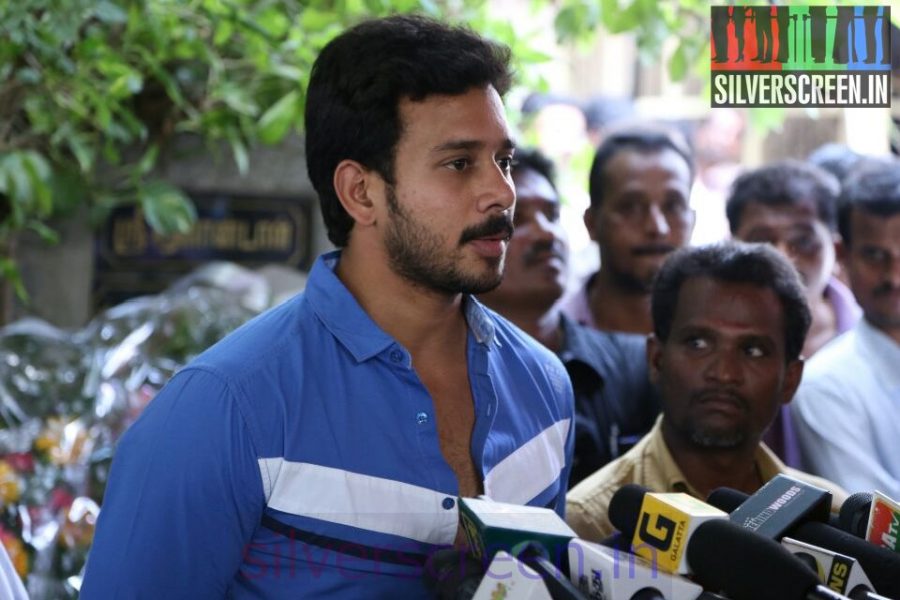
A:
813, 56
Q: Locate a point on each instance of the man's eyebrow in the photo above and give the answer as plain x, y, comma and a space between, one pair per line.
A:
452, 145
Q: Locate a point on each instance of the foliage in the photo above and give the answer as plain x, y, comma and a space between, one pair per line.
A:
91, 91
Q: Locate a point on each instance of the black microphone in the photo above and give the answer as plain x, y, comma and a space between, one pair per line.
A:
854, 515
725, 557
747, 566
881, 565
452, 574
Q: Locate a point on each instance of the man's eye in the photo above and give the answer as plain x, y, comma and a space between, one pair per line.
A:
506, 163
754, 351
874, 255
697, 343
460, 164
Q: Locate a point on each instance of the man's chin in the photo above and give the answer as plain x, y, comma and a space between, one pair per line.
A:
718, 439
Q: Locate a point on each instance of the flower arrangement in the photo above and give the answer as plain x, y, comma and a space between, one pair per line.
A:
66, 398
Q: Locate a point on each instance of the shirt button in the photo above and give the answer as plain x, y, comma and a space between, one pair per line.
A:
396, 356
421, 418
448, 503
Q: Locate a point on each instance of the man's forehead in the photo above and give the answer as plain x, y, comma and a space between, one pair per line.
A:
706, 300
533, 186
803, 210
455, 121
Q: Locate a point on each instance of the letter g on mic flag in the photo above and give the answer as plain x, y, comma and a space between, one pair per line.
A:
665, 523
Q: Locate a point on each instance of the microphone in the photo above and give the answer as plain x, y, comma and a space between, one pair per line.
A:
491, 526
780, 504
880, 564
508, 577
452, 574
854, 515
723, 556
601, 572
659, 525
883, 527
557, 584
839, 572
729, 500
747, 566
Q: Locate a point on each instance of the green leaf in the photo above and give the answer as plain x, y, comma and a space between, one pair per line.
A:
108, 12
166, 208
239, 151
82, 150
277, 120
148, 161
10, 272
47, 235
38, 173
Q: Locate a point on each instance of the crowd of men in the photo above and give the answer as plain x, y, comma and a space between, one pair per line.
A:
320, 450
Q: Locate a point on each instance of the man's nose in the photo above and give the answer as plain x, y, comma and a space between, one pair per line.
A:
656, 221
725, 367
496, 190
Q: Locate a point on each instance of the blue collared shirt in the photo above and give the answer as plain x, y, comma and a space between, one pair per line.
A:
299, 457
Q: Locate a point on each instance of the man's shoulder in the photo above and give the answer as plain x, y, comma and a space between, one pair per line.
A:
587, 504
514, 343
612, 348
838, 359
271, 338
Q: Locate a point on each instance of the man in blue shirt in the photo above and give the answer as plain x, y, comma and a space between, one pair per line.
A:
319, 450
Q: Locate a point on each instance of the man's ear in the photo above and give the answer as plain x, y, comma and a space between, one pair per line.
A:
654, 358
589, 222
353, 186
793, 374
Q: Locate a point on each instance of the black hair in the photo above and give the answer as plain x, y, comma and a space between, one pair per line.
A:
535, 160
733, 262
784, 183
358, 81
874, 188
643, 138
837, 159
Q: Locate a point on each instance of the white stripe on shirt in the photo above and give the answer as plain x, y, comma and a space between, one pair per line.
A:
363, 501
531, 469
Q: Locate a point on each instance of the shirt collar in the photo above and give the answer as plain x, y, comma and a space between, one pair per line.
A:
342, 315
766, 462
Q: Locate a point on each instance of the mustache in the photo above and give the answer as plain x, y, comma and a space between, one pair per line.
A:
494, 226
719, 394
652, 249
885, 288
539, 250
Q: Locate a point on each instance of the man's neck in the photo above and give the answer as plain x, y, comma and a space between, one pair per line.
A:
823, 326
422, 320
540, 322
616, 308
709, 468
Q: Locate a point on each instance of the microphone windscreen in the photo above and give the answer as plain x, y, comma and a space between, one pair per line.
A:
744, 565
727, 499
625, 508
854, 515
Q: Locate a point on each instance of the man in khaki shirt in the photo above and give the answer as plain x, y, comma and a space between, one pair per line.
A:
729, 324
